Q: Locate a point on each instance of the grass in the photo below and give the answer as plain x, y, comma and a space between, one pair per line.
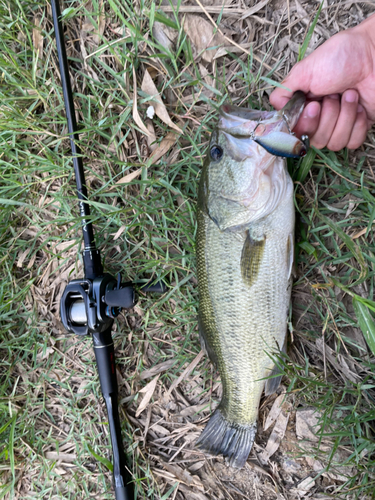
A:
50, 403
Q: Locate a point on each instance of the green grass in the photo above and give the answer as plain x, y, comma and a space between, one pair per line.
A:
49, 396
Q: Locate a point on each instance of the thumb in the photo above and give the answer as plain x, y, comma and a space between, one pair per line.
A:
298, 79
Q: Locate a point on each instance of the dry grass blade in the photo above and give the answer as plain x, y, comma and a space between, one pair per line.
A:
136, 116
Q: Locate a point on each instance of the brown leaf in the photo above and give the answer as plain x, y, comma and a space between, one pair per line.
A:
38, 37
163, 147
136, 116
201, 34
119, 232
274, 412
186, 372
101, 18
164, 35
161, 367
258, 6
129, 177
64, 457
183, 475
149, 88
307, 425
277, 434
89, 27
148, 390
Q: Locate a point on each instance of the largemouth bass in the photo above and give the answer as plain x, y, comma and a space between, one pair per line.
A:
244, 252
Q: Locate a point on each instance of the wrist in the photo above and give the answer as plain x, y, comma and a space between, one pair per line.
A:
367, 29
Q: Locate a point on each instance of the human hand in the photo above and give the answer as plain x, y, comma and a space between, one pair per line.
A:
339, 81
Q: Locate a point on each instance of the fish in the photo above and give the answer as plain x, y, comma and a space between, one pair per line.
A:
244, 258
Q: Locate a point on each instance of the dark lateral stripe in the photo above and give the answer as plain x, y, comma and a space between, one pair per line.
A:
251, 259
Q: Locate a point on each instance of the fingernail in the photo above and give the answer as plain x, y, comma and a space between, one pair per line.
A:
351, 96
334, 96
360, 108
312, 110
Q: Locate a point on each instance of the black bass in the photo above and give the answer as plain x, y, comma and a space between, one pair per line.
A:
244, 251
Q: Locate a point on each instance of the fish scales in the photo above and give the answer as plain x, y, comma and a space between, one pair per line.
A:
244, 251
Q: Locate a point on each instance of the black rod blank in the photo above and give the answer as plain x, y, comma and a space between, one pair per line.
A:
88, 233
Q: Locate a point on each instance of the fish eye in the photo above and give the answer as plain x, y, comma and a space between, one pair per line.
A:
216, 153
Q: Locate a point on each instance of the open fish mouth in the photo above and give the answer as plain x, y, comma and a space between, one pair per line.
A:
270, 129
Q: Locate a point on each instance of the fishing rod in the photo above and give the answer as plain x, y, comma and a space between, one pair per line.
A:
90, 304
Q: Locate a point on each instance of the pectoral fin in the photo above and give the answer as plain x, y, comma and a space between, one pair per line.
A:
251, 258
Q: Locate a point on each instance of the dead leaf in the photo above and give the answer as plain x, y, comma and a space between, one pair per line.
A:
186, 372
163, 147
136, 116
22, 257
274, 412
129, 177
256, 8
119, 232
164, 35
40, 356
63, 457
148, 391
183, 475
192, 410
223, 51
151, 139
149, 88
304, 487
338, 361
89, 27
101, 18
161, 367
307, 425
201, 34
38, 37
277, 434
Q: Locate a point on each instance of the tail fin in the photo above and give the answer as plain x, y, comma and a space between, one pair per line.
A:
233, 441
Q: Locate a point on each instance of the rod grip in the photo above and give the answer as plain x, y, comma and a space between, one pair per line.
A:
123, 493
105, 359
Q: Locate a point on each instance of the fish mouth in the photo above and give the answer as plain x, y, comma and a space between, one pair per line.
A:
242, 122
272, 130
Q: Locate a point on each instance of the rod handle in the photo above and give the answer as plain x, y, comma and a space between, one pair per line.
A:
123, 493
105, 359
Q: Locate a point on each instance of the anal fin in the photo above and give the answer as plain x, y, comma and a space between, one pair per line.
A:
272, 383
290, 255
